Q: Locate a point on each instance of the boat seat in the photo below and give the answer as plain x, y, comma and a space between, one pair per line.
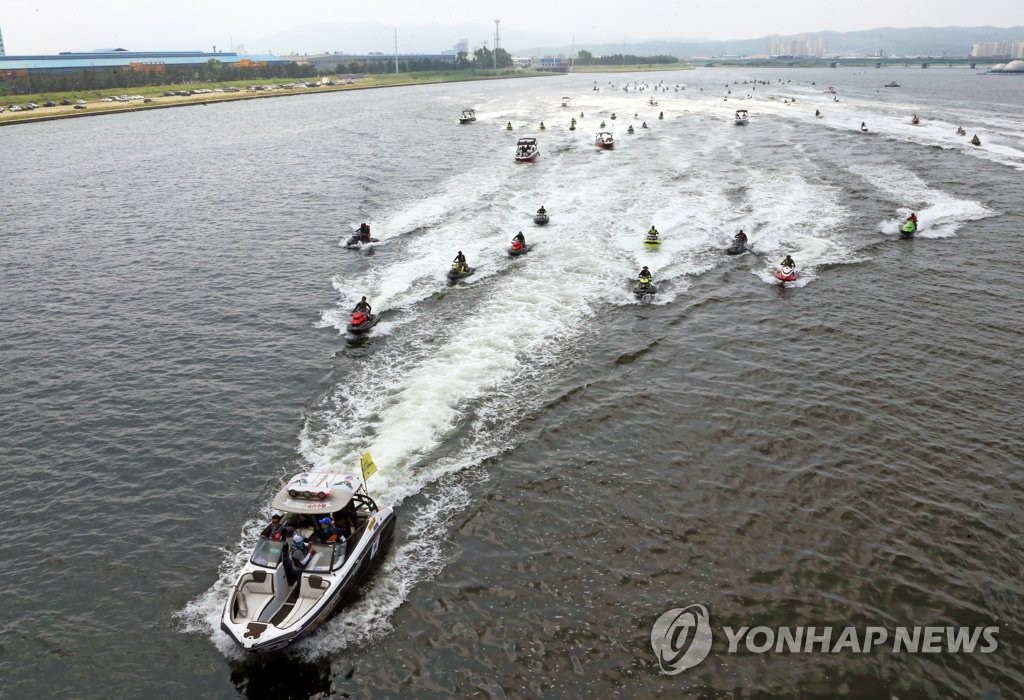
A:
313, 586
253, 595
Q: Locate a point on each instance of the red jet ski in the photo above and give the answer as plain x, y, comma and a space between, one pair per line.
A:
361, 322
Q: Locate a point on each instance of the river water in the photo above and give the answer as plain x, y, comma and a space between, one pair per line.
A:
567, 463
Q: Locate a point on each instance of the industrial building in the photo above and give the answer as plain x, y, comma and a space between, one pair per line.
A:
106, 59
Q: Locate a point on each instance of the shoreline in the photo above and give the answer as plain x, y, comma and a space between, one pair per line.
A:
97, 108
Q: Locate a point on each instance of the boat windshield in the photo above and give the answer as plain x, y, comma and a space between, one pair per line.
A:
327, 557
267, 553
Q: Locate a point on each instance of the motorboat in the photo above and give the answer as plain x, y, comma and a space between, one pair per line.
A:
277, 601
541, 219
468, 115
892, 83
908, 229
605, 140
361, 322
741, 116
527, 150
566, 101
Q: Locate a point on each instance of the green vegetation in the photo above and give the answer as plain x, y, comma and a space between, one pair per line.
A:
630, 68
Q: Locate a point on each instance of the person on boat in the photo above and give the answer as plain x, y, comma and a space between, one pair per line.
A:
913, 217
960, 131
817, 112
460, 262
644, 125
363, 306
275, 530
364, 232
915, 120
788, 262
653, 234
520, 238
301, 550
329, 532
542, 211
740, 237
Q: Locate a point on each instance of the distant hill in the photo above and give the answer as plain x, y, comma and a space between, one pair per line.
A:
366, 37
914, 41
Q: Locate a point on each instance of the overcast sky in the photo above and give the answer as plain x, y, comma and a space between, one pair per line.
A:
51, 26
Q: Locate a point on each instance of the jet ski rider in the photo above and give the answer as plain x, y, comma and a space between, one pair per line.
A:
788, 262
740, 237
520, 237
364, 232
460, 262
363, 306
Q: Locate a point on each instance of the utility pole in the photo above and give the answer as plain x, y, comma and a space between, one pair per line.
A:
497, 40
572, 56
396, 50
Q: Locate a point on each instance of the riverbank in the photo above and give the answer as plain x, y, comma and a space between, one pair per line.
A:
157, 97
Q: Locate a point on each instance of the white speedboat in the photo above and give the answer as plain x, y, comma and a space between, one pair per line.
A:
527, 150
741, 116
277, 601
468, 115
566, 101
605, 140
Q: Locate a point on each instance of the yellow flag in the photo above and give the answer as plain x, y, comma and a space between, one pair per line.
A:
369, 468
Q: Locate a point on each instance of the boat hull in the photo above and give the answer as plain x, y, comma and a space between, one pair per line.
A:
528, 158
541, 219
783, 276
736, 249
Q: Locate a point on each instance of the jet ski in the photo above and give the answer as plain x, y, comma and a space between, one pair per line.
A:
541, 219
644, 287
519, 248
736, 248
361, 322
908, 229
459, 271
786, 274
652, 241
357, 239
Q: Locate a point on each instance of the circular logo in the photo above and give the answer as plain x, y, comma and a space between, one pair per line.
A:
681, 638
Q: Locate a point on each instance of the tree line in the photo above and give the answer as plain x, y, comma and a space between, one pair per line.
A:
586, 58
123, 77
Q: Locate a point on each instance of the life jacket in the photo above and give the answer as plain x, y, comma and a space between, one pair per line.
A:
358, 318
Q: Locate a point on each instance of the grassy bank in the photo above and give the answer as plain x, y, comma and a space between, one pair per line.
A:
155, 93
633, 68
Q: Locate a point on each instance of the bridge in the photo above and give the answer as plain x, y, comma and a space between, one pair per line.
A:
922, 62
